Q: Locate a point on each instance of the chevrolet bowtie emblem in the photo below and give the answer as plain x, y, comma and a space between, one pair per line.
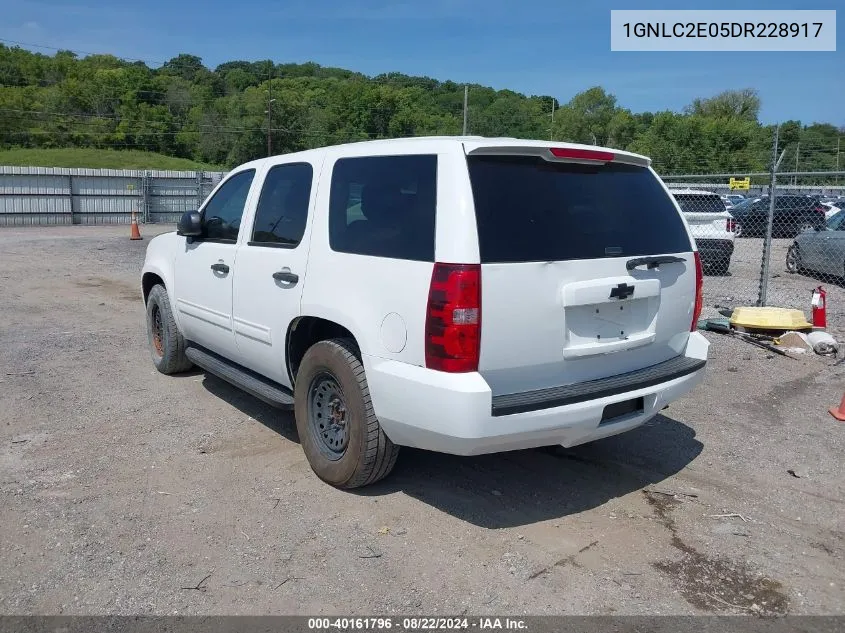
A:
622, 291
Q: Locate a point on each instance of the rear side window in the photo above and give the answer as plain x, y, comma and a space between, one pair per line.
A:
283, 206
384, 206
528, 209
699, 203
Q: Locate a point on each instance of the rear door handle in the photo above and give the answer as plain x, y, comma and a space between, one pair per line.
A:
220, 268
652, 262
286, 276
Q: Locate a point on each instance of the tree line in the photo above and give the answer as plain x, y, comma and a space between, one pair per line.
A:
222, 116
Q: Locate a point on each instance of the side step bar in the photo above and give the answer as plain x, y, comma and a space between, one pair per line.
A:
254, 384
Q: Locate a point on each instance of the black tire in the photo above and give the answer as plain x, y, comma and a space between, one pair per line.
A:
793, 259
167, 347
366, 454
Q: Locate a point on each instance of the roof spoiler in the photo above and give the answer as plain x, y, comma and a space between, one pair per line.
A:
565, 154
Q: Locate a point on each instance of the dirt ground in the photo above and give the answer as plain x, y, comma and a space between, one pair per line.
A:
128, 492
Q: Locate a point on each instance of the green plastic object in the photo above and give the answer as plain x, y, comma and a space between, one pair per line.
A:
715, 325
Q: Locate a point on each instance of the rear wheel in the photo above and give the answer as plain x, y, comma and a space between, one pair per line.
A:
167, 347
338, 429
806, 226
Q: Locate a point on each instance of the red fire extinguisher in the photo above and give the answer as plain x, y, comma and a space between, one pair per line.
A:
819, 312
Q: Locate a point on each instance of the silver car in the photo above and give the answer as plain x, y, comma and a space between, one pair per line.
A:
820, 250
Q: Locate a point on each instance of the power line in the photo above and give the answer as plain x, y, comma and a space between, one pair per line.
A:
78, 52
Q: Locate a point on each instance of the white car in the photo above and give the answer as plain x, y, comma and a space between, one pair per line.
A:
457, 294
712, 227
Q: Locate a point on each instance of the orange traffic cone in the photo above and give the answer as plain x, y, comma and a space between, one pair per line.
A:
135, 233
839, 413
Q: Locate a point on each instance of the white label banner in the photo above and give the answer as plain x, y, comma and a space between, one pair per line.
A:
709, 30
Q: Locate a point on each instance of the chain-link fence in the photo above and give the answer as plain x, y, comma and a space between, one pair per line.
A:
769, 245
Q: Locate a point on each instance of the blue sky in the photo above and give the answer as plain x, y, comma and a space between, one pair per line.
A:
555, 47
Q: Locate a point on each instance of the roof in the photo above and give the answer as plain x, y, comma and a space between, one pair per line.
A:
474, 141
697, 192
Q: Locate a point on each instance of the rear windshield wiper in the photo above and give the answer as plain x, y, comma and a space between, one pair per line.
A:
653, 262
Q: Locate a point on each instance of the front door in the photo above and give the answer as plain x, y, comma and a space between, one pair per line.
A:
271, 269
205, 268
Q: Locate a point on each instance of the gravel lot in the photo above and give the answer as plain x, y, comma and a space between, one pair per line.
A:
787, 290
128, 492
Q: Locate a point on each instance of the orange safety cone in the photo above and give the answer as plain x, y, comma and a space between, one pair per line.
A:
135, 233
839, 413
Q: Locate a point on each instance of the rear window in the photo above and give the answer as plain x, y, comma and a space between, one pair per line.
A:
799, 203
528, 209
699, 203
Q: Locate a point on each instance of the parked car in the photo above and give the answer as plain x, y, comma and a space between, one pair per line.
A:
463, 295
820, 251
793, 214
711, 226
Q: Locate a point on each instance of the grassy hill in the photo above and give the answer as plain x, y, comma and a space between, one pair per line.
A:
98, 159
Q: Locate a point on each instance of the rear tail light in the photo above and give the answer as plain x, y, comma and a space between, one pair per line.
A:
453, 318
730, 225
821, 210
581, 154
699, 293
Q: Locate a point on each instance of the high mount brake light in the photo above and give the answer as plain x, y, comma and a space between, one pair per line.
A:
582, 154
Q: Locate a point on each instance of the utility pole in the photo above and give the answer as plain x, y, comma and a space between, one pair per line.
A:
767, 241
270, 101
466, 98
552, 128
797, 150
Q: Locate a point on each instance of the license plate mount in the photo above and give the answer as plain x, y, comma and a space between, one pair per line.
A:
618, 410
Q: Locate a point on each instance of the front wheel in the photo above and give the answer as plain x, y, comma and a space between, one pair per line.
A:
167, 347
793, 259
338, 429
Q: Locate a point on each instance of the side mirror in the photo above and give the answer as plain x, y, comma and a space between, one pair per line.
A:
190, 224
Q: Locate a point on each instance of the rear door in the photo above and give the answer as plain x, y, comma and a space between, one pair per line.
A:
564, 298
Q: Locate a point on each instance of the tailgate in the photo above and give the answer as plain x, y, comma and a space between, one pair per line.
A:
587, 270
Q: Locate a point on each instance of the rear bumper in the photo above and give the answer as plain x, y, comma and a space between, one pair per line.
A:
455, 413
715, 251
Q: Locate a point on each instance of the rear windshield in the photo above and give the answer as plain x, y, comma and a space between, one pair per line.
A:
699, 203
528, 209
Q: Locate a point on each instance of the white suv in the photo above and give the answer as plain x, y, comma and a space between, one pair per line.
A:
463, 295
713, 228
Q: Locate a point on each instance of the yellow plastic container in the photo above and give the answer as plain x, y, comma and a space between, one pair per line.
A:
770, 319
